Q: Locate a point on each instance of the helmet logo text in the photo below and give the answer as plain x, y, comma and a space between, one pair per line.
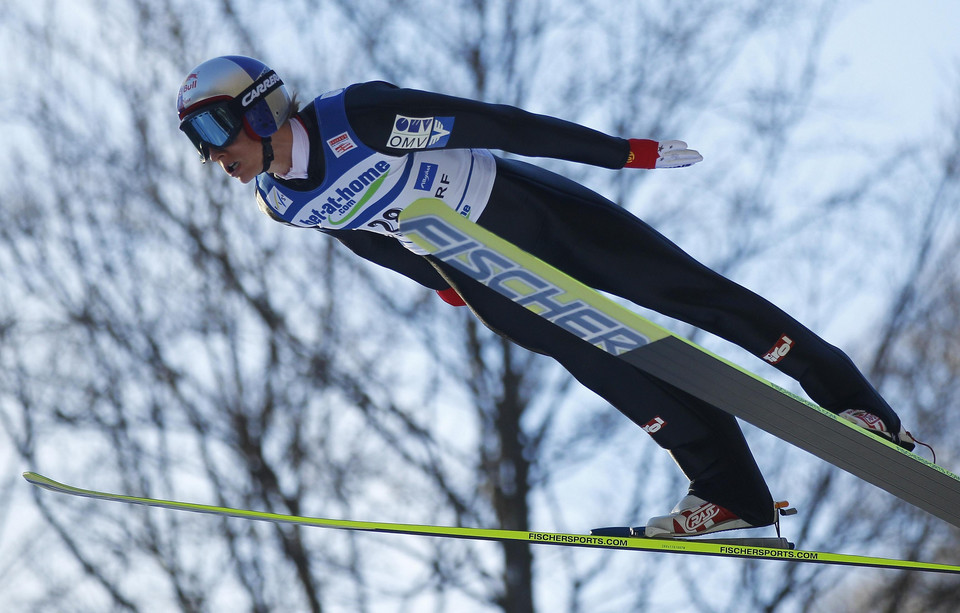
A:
259, 90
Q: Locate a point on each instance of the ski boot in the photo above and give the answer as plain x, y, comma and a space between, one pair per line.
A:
694, 516
869, 421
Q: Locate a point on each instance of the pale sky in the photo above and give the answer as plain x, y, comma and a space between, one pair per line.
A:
897, 59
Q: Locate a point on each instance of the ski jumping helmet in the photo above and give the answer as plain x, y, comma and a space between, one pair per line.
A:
226, 94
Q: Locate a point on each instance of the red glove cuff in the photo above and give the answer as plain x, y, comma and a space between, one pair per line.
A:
643, 153
450, 296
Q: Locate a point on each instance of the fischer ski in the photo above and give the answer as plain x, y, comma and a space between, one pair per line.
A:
731, 548
584, 312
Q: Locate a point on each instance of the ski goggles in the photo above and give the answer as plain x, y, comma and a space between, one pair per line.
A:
218, 124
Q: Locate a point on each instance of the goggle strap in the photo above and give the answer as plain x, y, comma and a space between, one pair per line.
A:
257, 90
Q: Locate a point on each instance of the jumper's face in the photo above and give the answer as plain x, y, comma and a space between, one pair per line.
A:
242, 159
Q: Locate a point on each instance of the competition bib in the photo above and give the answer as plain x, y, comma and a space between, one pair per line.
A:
366, 190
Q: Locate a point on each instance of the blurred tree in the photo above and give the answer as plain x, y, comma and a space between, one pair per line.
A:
916, 357
159, 336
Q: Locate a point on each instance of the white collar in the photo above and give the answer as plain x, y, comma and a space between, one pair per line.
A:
300, 152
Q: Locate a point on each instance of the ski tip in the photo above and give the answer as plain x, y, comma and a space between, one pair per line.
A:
34, 478
40, 481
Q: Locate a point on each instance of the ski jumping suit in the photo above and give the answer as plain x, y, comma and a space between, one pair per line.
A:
375, 148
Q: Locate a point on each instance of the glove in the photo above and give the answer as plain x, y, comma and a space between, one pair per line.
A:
668, 154
450, 296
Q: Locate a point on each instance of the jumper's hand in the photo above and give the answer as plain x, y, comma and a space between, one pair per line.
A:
675, 154
668, 154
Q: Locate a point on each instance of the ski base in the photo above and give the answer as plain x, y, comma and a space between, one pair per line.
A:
653, 349
659, 545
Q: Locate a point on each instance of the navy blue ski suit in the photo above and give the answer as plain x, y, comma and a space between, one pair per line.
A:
609, 249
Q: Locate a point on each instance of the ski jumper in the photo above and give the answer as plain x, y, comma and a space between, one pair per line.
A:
375, 148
